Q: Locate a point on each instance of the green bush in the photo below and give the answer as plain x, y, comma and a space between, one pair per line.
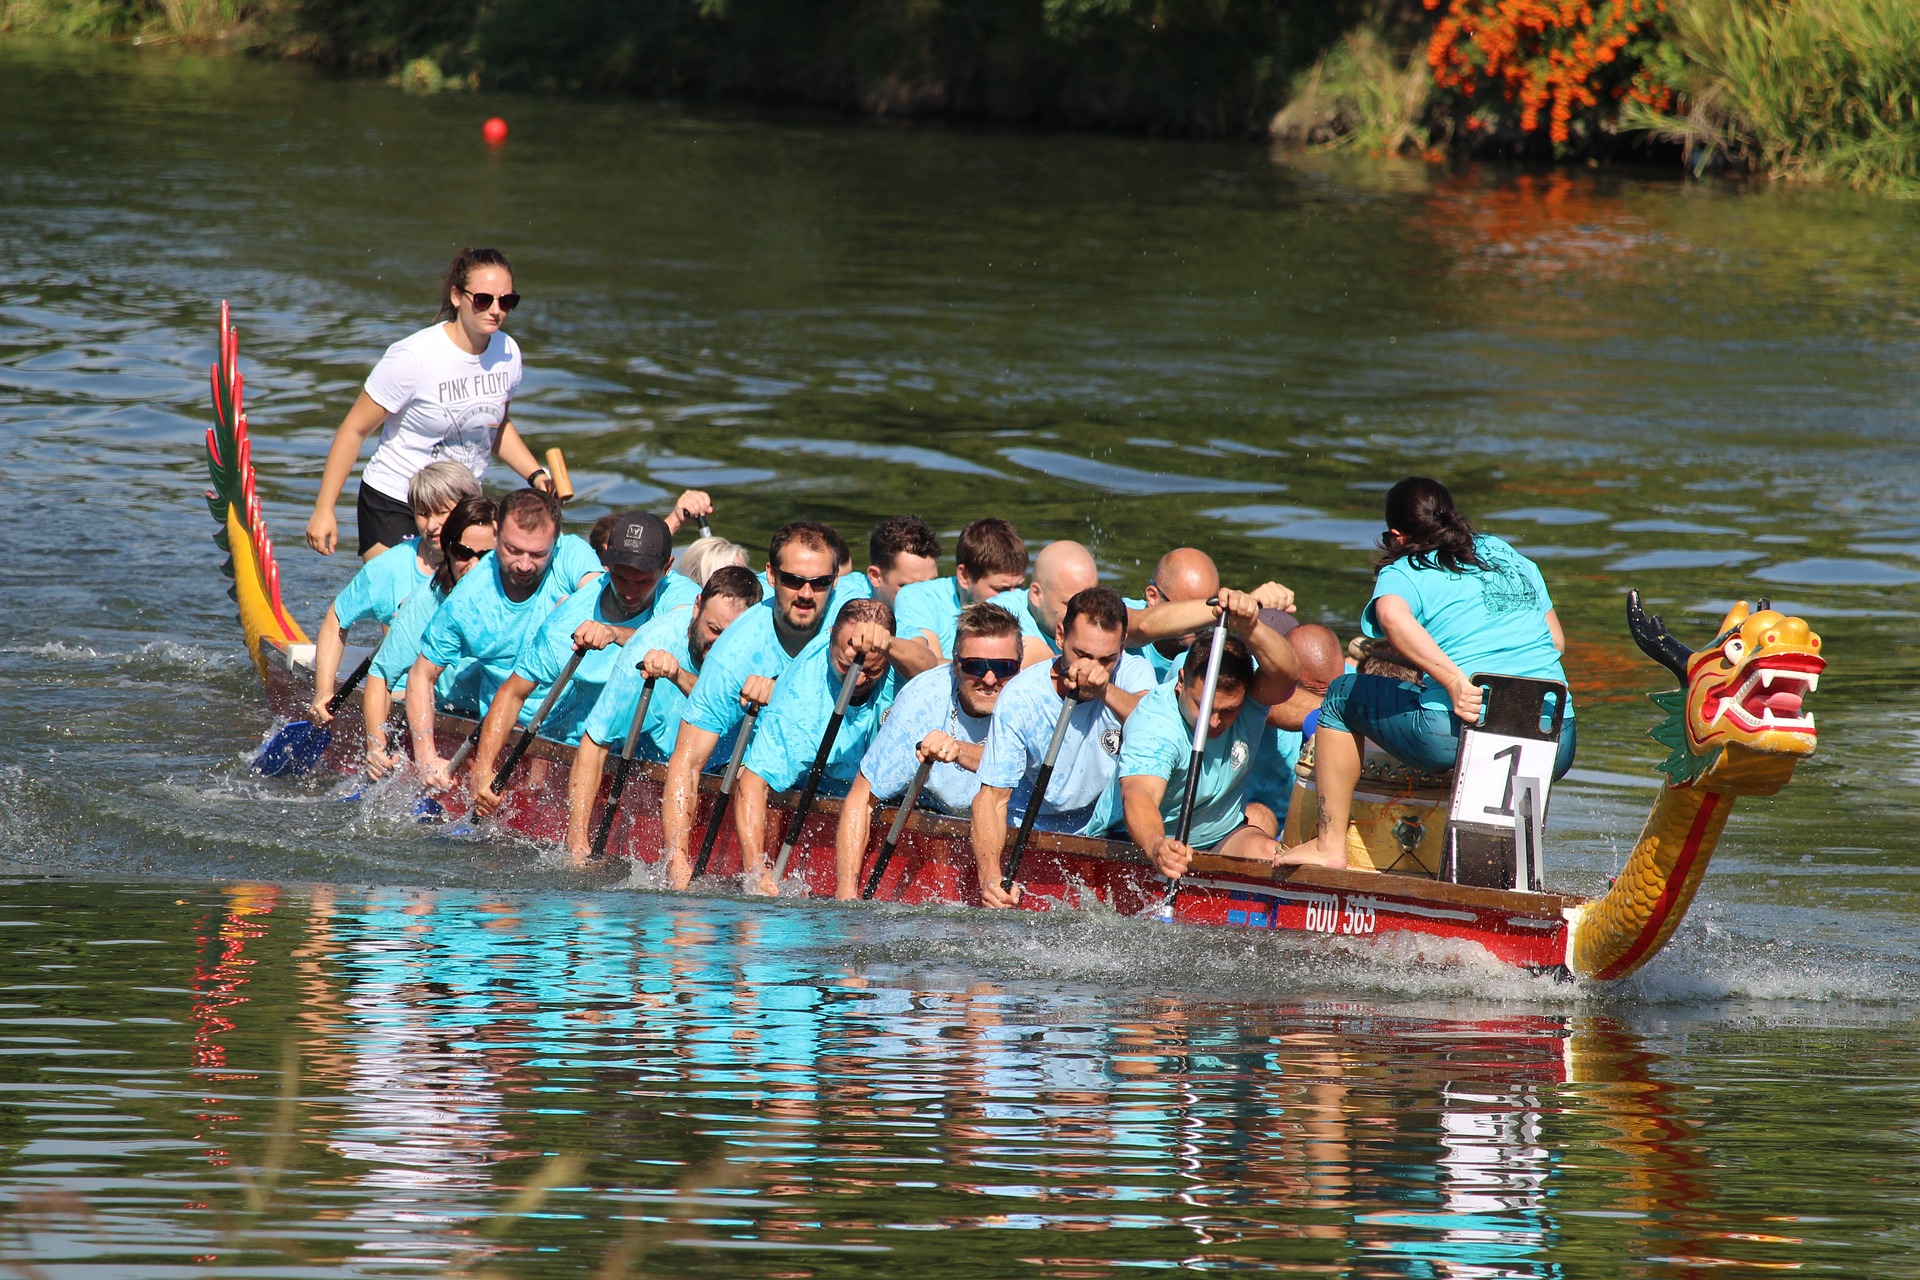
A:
1826, 90
1360, 96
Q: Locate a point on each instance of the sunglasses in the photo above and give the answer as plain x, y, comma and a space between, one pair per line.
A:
462, 552
485, 301
1002, 669
793, 581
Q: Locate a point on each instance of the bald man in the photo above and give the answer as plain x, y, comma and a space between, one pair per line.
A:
1173, 611
1061, 571
1322, 661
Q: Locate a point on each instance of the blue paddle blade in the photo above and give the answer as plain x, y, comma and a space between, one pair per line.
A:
293, 751
427, 809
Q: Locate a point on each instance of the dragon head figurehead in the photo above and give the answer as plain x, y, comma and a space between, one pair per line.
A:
1738, 723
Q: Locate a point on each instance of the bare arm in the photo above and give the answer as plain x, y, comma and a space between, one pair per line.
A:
1165, 621
856, 827
365, 418
329, 642
376, 704
1141, 796
1033, 652
750, 822
680, 799
583, 787
1553, 629
512, 450
502, 714
426, 757
1416, 646
911, 657
1119, 701
989, 840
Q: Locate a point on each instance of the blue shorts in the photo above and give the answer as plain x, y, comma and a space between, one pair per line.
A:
1393, 714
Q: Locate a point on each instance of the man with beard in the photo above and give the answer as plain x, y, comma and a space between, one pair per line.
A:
673, 648
940, 715
489, 615
596, 624
803, 566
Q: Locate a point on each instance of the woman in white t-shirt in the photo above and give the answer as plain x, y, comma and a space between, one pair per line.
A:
441, 394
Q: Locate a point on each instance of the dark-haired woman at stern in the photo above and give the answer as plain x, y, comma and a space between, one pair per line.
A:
440, 394
1454, 603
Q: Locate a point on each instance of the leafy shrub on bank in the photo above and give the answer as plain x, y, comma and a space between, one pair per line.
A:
1360, 95
1827, 90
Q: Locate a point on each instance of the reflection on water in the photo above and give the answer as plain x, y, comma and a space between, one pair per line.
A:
376, 1083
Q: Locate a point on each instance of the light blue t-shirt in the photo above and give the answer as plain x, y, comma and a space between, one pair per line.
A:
933, 605
750, 647
795, 719
1271, 782
1159, 743
478, 621
1019, 603
546, 655
1081, 799
607, 725
382, 586
1164, 668
926, 704
457, 689
1490, 620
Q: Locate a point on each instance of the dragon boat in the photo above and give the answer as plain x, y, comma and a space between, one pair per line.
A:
1736, 727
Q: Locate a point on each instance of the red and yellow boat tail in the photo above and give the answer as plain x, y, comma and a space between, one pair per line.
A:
1736, 727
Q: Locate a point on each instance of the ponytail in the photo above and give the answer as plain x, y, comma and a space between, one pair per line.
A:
465, 263
1433, 532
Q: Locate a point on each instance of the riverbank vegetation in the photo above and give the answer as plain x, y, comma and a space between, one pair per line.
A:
1826, 90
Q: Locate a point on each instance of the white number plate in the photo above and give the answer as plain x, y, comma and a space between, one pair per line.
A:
1328, 913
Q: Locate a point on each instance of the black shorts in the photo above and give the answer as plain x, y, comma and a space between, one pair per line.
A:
383, 521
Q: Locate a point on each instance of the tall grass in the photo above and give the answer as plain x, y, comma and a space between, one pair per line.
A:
197, 21
1360, 96
1824, 90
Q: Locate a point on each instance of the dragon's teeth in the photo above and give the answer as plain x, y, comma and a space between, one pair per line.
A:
1809, 724
1766, 716
1813, 683
1766, 679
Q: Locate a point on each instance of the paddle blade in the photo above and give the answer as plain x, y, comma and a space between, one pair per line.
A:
427, 809
293, 751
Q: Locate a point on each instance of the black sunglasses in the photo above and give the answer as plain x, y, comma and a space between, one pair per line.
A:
1003, 669
485, 301
793, 581
462, 552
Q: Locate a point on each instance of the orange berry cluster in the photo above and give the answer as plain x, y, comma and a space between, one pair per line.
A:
1522, 62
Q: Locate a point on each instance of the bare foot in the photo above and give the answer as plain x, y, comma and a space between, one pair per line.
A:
679, 871
1311, 854
760, 883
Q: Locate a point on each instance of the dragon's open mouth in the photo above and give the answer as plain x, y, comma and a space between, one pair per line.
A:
1771, 698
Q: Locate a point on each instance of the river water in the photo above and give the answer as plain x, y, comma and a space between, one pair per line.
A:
248, 1029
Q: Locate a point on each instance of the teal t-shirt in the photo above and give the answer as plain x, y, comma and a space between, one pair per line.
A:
1164, 668
1492, 620
925, 704
1158, 743
607, 725
479, 622
1080, 797
750, 647
457, 689
1020, 604
1271, 782
546, 655
795, 719
933, 606
382, 586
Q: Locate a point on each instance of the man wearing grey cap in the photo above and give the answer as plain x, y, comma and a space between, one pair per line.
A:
598, 618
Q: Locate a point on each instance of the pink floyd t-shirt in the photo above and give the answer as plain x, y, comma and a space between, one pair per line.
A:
442, 405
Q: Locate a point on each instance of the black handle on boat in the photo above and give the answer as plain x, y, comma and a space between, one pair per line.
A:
1037, 796
719, 813
621, 770
340, 695
706, 530
1200, 721
801, 810
505, 771
899, 825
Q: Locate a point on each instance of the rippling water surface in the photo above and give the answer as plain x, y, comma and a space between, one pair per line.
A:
251, 1029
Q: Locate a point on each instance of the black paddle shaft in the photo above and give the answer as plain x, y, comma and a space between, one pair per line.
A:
1037, 797
621, 770
899, 825
340, 695
505, 771
720, 805
801, 810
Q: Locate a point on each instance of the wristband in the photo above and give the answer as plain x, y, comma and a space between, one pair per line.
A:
537, 471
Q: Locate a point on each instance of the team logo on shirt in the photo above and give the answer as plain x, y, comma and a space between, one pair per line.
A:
1505, 591
1237, 756
1110, 739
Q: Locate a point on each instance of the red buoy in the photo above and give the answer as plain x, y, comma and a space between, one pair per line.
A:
494, 131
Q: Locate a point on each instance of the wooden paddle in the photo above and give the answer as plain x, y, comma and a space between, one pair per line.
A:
1037, 797
1164, 912
557, 472
725, 797
299, 745
801, 810
899, 825
620, 770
